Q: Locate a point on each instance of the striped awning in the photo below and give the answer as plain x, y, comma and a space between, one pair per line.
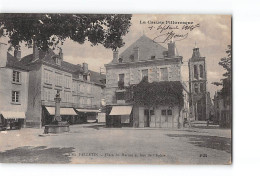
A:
63, 111
88, 110
13, 115
121, 110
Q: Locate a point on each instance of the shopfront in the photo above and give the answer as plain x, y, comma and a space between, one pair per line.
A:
11, 120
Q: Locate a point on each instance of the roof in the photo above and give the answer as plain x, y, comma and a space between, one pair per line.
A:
196, 55
12, 62
65, 66
147, 48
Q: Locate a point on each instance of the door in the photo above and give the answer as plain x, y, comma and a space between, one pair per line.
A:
146, 118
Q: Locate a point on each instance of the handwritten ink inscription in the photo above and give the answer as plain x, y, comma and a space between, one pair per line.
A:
170, 30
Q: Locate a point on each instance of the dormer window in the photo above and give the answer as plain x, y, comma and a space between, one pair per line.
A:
57, 60
120, 60
132, 58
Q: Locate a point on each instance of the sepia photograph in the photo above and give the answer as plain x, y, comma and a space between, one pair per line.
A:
116, 88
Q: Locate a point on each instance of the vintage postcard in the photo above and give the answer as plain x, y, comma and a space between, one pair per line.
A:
115, 89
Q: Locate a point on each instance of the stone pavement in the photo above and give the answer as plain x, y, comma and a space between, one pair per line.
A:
92, 143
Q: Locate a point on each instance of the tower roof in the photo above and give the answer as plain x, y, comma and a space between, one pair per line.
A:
196, 55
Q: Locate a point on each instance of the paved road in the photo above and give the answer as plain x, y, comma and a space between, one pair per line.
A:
97, 144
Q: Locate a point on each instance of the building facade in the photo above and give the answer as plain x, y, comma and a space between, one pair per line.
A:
14, 79
29, 85
223, 105
149, 60
198, 86
81, 89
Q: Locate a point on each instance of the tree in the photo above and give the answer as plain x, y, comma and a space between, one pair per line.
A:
51, 30
226, 62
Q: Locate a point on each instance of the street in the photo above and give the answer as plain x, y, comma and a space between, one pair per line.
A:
96, 144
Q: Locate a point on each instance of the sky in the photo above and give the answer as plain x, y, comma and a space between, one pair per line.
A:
211, 36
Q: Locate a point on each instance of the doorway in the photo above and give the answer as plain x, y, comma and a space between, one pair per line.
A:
146, 118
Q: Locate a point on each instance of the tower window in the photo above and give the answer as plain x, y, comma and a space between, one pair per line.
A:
196, 72
201, 71
201, 87
196, 88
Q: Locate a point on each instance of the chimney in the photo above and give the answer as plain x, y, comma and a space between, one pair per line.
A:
171, 50
85, 68
61, 54
3, 54
17, 54
115, 56
136, 53
35, 51
196, 53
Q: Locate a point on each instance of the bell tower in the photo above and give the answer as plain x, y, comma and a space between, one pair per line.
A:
198, 85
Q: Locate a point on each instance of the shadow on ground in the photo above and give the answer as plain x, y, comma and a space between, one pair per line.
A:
40, 154
95, 126
213, 142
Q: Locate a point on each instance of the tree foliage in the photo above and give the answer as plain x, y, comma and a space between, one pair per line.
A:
158, 93
226, 62
51, 30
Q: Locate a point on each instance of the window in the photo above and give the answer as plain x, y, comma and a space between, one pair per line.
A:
89, 102
122, 77
47, 76
201, 87
57, 60
121, 81
145, 74
67, 82
196, 88
195, 72
120, 60
164, 74
151, 112
58, 79
169, 112
132, 58
120, 95
15, 96
75, 99
16, 76
201, 71
146, 112
163, 112
152, 57
89, 88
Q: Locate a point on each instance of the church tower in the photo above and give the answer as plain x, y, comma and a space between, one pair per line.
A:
198, 85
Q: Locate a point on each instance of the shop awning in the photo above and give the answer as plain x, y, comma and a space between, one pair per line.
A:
121, 110
13, 115
63, 111
88, 110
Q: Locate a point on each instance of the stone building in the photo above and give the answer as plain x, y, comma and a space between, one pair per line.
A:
198, 86
223, 105
81, 89
14, 81
143, 59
